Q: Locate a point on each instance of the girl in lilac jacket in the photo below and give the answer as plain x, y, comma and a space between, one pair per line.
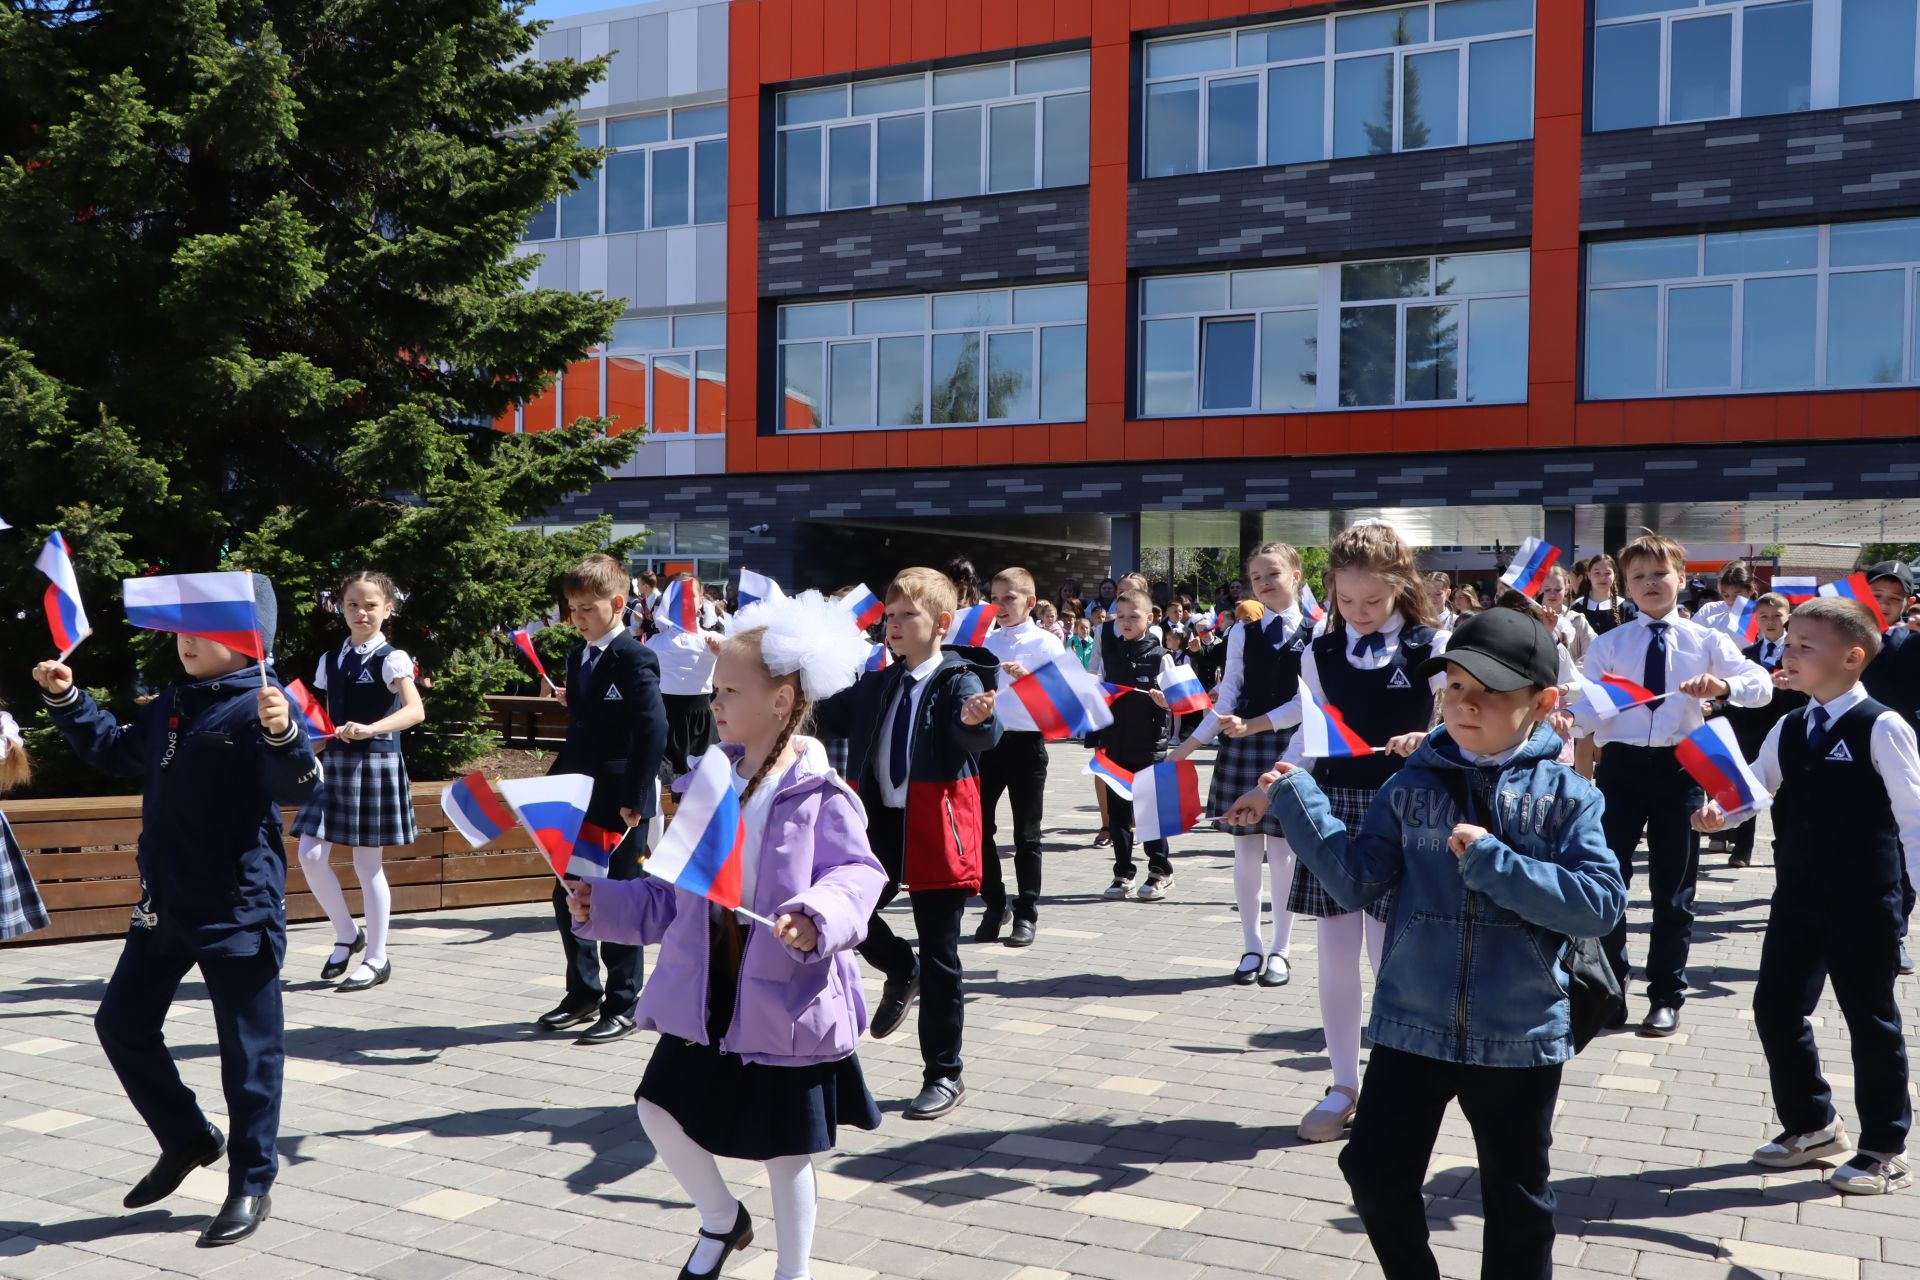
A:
757, 1026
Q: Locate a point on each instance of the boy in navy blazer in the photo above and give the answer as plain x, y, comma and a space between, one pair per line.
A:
616, 734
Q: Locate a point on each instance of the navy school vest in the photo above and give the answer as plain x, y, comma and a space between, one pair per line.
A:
1835, 836
1270, 668
1377, 705
356, 692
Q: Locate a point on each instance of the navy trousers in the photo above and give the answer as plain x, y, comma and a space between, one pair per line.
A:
1017, 768
1648, 791
244, 990
625, 965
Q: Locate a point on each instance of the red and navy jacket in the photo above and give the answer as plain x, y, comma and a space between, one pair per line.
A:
942, 845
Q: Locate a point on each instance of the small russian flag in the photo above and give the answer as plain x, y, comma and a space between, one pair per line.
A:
1797, 590
475, 812
1166, 800
213, 606
1183, 691
1324, 731
1856, 589
1611, 694
1103, 768
553, 809
1309, 606
1712, 755
864, 606
755, 587
1204, 623
523, 641
971, 625
1743, 619
319, 723
679, 606
704, 848
65, 618
879, 658
593, 850
1114, 692
1528, 571
1064, 700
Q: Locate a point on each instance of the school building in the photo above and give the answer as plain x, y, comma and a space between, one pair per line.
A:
1058, 280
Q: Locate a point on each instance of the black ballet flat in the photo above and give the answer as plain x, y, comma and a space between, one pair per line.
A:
334, 968
380, 974
739, 1238
1245, 977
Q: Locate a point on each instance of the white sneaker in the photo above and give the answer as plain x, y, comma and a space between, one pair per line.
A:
1118, 889
1872, 1174
1153, 890
1797, 1150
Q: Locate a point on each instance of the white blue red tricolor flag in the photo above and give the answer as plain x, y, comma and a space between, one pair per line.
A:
1062, 699
1712, 755
553, 809
1855, 588
1611, 694
755, 587
971, 625
65, 618
1205, 623
1797, 590
1743, 619
679, 606
1166, 800
1114, 692
1309, 606
1183, 691
319, 724
1324, 732
879, 658
864, 606
1103, 768
475, 812
703, 851
1531, 564
212, 606
523, 641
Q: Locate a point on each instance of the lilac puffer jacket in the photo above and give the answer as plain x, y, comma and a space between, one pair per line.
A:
794, 1008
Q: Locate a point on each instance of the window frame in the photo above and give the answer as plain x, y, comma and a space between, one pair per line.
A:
691, 143
603, 355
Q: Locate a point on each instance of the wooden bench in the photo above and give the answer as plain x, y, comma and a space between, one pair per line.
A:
538, 723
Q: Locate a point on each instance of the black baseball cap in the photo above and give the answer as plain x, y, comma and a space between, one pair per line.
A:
1899, 570
1503, 649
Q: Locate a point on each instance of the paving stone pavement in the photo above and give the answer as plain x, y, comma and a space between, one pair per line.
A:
1130, 1117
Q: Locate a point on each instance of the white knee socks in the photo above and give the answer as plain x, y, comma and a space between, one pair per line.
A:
1250, 853
376, 899
789, 1178
314, 855
1340, 938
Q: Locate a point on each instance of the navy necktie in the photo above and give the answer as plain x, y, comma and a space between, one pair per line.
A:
897, 738
1372, 643
1817, 731
586, 663
1655, 678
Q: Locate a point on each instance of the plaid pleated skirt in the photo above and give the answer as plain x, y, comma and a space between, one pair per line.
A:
1237, 767
21, 909
365, 799
1309, 897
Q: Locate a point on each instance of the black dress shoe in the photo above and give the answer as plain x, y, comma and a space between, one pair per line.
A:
1022, 935
238, 1218
1740, 861
377, 976
1277, 973
1661, 1020
896, 997
615, 1026
172, 1168
334, 968
990, 925
934, 1101
1247, 977
568, 1014
739, 1238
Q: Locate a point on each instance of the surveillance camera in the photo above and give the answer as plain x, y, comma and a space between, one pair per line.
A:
758, 529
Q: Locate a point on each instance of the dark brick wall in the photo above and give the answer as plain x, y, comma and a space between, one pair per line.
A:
1020, 236
1416, 200
1806, 167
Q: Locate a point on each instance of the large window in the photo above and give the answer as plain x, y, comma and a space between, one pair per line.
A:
1783, 309
1670, 61
664, 169
989, 356
1446, 330
665, 373
1428, 75
1001, 126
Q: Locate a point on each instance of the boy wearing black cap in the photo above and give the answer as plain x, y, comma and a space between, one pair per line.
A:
1495, 855
1893, 680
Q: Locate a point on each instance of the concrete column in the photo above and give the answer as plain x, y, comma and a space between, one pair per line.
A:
1125, 537
1559, 532
1252, 533
1614, 524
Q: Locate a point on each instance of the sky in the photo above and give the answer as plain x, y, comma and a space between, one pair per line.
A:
567, 8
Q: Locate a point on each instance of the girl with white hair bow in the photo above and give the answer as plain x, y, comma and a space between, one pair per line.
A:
21, 910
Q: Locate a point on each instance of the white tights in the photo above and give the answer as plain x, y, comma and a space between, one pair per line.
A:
789, 1178
374, 894
1340, 938
1251, 853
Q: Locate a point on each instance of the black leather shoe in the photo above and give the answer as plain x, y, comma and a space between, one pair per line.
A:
1278, 972
334, 968
739, 1238
615, 1026
1906, 959
1661, 1020
568, 1014
1022, 935
172, 1168
990, 925
379, 975
238, 1218
1617, 1020
896, 997
936, 1100
1247, 977
1740, 861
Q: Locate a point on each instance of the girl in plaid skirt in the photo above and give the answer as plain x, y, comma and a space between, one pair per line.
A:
366, 799
21, 910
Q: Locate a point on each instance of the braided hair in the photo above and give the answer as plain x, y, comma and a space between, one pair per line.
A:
748, 644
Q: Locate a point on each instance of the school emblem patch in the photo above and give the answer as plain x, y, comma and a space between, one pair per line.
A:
613, 694
1400, 680
1840, 753
366, 676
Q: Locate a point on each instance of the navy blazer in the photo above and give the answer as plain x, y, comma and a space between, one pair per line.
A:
616, 729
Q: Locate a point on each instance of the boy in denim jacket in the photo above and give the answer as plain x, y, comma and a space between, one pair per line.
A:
1470, 1001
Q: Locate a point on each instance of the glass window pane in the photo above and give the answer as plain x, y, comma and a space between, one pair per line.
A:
1379, 30
543, 222
1776, 59
1173, 128
1777, 319
637, 130
1368, 358
1785, 249
800, 386
1296, 113
1063, 372
850, 384
1626, 76
970, 310
1876, 51
956, 153
1497, 351
1284, 44
627, 393
626, 176
1699, 337
1212, 52
1010, 147
1459, 18
1865, 327
589, 134
1430, 100
710, 392
672, 393
1043, 75
971, 84
1363, 106
902, 93
710, 181
956, 377
1861, 244
1010, 382
1482, 273
1500, 90
1278, 287
707, 329
818, 320
1433, 354
903, 160
1233, 122
1289, 374
800, 171
1166, 363
700, 122
1160, 294
1059, 302
1623, 328
1406, 278
1668, 258
809, 106
1702, 71
903, 397
1604, 9
580, 209
1064, 159
1226, 364
641, 335
890, 315
670, 190
849, 161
